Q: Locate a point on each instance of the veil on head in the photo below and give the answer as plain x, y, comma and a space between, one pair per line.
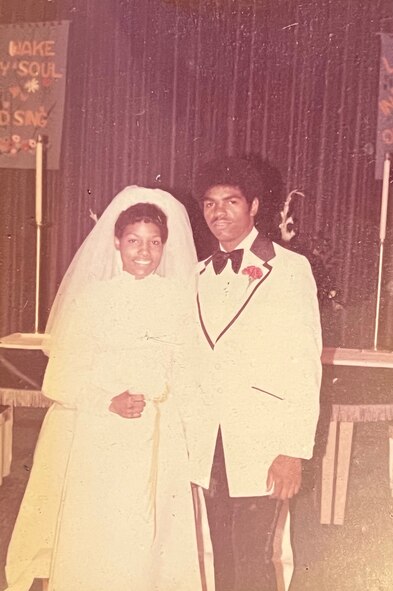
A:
98, 259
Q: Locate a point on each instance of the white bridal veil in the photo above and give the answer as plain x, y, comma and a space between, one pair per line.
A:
98, 259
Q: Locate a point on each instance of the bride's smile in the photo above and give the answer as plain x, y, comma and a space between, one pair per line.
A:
141, 248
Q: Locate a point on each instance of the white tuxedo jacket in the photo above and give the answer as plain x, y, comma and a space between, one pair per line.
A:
261, 373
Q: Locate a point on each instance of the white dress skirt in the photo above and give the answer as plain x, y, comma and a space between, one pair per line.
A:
119, 513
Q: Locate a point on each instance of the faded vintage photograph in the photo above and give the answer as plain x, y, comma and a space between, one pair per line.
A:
196, 295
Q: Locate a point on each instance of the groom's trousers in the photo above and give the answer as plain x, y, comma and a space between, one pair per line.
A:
242, 531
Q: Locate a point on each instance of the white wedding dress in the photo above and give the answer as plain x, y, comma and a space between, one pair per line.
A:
118, 514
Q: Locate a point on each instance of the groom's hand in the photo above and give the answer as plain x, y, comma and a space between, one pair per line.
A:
285, 476
128, 406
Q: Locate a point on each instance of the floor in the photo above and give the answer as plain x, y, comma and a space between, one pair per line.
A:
357, 556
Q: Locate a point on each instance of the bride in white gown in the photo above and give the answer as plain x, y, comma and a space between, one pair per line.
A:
118, 513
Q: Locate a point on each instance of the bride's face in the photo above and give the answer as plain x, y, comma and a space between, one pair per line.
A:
140, 248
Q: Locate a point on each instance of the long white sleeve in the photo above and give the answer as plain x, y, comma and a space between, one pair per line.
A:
70, 374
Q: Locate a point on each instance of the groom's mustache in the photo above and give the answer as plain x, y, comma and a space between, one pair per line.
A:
219, 218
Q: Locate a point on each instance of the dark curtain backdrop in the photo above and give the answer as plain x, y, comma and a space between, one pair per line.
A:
156, 87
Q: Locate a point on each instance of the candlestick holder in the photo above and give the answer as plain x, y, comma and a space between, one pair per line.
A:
382, 235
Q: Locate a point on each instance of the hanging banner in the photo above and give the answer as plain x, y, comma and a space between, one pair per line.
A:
32, 88
385, 104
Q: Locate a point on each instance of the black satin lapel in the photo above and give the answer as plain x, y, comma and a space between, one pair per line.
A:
263, 248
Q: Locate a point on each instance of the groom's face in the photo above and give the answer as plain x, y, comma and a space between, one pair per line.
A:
228, 214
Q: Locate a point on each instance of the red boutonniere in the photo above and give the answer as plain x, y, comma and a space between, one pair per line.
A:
253, 273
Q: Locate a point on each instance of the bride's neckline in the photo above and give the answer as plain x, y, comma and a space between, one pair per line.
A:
148, 278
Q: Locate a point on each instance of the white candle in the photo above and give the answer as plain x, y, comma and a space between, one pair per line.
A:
38, 181
385, 197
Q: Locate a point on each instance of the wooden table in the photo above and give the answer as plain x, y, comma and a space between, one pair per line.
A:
18, 396
336, 461
25, 340
357, 357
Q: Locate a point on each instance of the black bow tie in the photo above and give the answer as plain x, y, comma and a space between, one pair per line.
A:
220, 258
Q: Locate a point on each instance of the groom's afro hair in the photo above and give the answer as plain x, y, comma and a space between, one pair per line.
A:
242, 173
142, 212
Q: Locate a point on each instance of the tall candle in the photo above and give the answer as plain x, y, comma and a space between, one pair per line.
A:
38, 181
385, 197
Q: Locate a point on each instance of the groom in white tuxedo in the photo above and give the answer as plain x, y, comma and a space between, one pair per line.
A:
261, 343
